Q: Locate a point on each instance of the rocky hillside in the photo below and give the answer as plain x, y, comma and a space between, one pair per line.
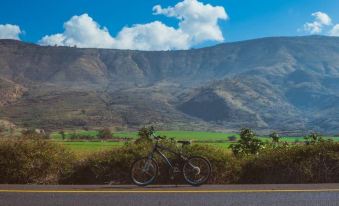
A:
282, 83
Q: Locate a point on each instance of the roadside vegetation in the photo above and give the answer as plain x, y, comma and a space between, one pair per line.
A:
244, 158
29, 159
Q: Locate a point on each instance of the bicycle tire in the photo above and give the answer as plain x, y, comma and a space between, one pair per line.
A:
154, 175
208, 171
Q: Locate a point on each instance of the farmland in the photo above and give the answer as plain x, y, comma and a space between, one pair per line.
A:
93, 144
83, 148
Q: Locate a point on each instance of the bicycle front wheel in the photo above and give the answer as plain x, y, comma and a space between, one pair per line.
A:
144, 171
197, 170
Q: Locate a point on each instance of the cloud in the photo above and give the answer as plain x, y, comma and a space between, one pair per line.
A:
321, 20
81, 31
198, 23
151, 36
198, 20
335, 30
9, 31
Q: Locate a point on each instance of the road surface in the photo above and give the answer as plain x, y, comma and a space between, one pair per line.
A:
161, 195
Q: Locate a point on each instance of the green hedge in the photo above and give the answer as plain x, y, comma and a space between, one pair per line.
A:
315, 163
39, 161
114, 166
24, 161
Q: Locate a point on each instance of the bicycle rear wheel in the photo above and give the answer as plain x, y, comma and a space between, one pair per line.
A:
144, 171
197, 170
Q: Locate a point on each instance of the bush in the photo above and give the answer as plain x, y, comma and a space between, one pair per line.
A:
109, 166
105, 134
32, 134
313, 138
232, 138
225, 167
275, 137
248, 143
25, 161
114, 166
63, 135
316, 163
144, 135
36, 160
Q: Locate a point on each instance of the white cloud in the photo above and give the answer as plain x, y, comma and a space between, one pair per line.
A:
198, 22
81, 31
321, 20
335, 30
9, 31
151, 36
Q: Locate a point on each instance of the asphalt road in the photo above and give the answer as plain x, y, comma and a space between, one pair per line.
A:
125, 195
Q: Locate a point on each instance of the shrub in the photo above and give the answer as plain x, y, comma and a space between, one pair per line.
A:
105, 134
225, 167
313, 138
144, 135
114, 166
32, 134
63, 135
232, 138
109, 166
33, 161
316, 163
275, 137
76, 137
248, 143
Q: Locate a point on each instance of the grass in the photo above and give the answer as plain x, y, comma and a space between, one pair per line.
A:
299, 139
184, 135
82, 148
217, 139
68, 134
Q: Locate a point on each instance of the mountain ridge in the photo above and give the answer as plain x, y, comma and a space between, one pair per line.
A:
277, 83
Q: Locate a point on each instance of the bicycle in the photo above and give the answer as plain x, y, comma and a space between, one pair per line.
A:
196, 170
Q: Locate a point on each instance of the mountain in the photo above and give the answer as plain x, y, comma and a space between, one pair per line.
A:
278, 83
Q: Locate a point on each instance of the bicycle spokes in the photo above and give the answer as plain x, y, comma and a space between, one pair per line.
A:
196, 170
144, 171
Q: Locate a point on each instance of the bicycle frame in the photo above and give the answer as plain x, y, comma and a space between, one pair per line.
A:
156, 149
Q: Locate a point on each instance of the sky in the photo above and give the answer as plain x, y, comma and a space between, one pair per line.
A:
163, 24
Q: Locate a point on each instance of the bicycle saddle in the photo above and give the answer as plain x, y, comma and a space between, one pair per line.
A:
184, 142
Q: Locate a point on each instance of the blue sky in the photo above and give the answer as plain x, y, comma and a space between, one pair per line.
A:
247, 19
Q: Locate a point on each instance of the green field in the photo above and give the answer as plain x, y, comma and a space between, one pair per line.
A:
84, 148
178, 135
184, 135
217, 139
68, 134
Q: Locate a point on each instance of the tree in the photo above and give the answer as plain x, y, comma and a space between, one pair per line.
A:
105, 134
275, 137
62, 133
232, 138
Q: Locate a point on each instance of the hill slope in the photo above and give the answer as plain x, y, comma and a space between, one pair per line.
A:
282, 83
